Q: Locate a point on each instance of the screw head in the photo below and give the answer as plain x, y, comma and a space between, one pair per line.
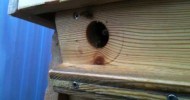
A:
76, 15
172, 97
75, 85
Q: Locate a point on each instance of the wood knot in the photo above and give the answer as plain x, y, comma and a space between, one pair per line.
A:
99, 60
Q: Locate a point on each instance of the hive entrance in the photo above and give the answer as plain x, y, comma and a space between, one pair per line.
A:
97, 34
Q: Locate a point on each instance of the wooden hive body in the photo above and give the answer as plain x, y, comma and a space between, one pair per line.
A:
147, 55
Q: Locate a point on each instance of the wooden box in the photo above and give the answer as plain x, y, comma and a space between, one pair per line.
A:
118, 49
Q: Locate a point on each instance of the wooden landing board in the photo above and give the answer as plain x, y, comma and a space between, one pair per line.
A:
99, 92
148, 47
42, 11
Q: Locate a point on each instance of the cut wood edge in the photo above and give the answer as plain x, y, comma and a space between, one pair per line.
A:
34, 19
57, 5
43, 13
107, 92
119, 81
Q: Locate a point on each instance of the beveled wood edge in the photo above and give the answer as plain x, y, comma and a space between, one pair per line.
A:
34, 13
13, 10
107, 71
60, 5
121, 81
34, 19
107, 92
131, 79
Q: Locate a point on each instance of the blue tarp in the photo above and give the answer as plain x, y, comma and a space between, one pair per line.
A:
25, 53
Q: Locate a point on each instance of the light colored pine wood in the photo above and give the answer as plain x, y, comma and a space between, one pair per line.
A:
98, 92
149, 43
42, 11
123, 76
48, 6
28, 3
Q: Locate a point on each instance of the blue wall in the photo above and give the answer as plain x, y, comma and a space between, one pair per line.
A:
25, 53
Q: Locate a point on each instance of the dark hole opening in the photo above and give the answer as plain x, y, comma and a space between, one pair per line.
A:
97, 34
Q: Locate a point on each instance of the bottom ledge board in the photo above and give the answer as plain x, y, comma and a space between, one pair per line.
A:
107, 92
121, 81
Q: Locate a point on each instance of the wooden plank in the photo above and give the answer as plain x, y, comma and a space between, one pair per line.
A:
56, 60
13, 10
40, 19
35, 19
149, 45
98, 75
56, 55
105, 92
12, 7
28, 3
46, 6
42, 11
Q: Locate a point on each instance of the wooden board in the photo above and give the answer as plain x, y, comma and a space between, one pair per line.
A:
42, 11
99, 92
148, 47
46, 6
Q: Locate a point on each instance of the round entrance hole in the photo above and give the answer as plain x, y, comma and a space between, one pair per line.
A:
97, 34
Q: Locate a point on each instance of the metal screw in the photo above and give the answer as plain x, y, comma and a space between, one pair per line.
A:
172, 97
76, 15
75, 85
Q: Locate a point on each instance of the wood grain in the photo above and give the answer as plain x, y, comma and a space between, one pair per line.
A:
105, 92
42, 11
109, 76
149, 43
47, 6
55, 61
